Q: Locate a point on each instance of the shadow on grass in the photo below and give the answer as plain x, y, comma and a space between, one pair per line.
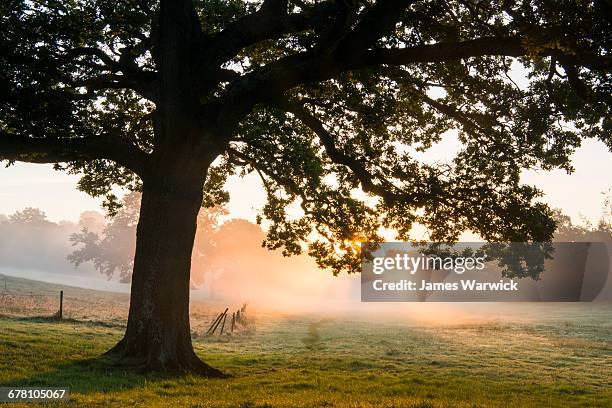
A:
99, 374
102, 373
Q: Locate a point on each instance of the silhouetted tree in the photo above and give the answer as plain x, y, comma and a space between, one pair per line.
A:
112, 250
600, 231
93, 221
33, 217
319, 98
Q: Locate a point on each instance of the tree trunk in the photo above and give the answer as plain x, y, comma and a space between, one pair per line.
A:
158, 335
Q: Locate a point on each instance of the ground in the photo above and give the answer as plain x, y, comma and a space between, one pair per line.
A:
561, 358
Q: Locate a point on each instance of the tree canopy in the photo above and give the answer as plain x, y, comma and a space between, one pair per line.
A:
320, 98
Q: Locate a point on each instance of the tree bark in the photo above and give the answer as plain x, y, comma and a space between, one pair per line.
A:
158, 334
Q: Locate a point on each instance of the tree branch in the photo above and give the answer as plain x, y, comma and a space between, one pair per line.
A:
271, 81
287, 183
378, 21
133, 78
267, 83
270, 21
495, 46
47, 150
366, 179
110, 63
143, 86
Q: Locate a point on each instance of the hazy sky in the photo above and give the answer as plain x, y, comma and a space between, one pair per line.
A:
34, 185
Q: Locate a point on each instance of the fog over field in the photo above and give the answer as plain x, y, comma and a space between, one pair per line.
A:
229, 265
241, 270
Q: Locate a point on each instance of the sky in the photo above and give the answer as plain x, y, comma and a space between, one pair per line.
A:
578, 195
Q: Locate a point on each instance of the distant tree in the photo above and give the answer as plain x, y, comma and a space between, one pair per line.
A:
92, 220
320, 98
112, 250
30, 216
30, 242
235, 243
600, 231
605, 222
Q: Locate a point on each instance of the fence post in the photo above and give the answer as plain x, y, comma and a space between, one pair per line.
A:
223, 324
214, 323
61, 309
219, 321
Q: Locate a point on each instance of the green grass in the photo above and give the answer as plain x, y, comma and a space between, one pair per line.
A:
563, 359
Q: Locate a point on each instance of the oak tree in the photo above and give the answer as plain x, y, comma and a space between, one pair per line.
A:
321, 98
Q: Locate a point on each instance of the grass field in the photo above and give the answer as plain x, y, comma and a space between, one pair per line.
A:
560, 358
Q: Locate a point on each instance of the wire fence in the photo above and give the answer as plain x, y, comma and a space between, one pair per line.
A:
18, 300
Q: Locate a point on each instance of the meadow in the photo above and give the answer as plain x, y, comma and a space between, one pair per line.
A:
556, 355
